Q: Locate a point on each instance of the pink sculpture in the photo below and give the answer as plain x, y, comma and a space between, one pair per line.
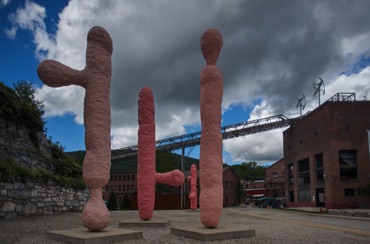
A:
146, 174
193, 187
95, 78
211, 188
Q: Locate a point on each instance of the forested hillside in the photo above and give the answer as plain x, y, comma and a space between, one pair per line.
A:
21, 114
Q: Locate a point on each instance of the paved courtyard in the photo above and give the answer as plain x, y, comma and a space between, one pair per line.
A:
269, 227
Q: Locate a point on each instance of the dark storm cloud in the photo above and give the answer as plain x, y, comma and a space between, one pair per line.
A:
273, 51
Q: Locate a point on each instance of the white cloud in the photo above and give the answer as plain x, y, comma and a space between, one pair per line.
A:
3, 3
356, 45
357, 83
272, 53
264, 147
58, 101
30, 17
124, 136
11, 33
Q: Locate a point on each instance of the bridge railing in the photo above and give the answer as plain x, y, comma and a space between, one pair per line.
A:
193, 139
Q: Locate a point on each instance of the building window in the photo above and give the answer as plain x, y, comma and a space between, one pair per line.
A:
132, 177
115, 178
349, 192
291, 174
348, 165
123, 177
319, 165
304, 171
275, 174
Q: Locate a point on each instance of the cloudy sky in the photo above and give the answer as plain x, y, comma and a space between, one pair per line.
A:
273, 52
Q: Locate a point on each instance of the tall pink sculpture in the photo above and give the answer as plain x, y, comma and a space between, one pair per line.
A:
193, 187
211, 188
147, 177
95, 78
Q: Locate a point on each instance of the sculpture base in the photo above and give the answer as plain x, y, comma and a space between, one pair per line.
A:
211, 234
142, 223
84, 236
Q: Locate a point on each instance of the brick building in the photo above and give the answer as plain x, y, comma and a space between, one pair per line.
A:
120, 183
231, 187
252, 190
124, 183
275, 180
326, 155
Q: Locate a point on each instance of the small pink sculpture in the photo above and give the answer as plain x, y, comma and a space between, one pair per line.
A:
211, 188
193, 187
146, 174
95, 78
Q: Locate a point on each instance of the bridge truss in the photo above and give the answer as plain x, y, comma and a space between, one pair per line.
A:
193, 139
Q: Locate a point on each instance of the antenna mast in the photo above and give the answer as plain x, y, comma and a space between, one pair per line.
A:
319, 87
301, 104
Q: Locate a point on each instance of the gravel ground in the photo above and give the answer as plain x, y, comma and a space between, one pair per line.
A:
33, 229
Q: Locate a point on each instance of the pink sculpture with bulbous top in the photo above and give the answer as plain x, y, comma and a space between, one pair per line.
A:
193, 187
95, 78
211, 82
147, 177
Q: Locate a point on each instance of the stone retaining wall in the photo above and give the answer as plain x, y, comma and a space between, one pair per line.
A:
364, 213
20, 200
15, 144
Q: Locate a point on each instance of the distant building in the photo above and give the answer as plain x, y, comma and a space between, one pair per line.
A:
125, 183
120, 183
252, 190
231, 187
326, 155
275, 180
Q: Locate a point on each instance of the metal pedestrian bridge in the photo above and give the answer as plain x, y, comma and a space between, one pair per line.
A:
193, 139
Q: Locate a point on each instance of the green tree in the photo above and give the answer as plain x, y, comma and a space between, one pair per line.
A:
65, 165
9, 104
112, 201
125, 204
33, 109
249, 170
20, 106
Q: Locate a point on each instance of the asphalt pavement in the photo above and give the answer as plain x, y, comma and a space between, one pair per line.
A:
314, 218
271, 226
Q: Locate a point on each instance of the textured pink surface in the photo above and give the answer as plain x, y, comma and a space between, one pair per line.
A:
211, 44
211, 194
95, 78
146, 175
146, 154
172, 178
193, 187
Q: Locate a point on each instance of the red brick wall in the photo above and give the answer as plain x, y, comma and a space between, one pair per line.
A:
231, 187
331, 127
